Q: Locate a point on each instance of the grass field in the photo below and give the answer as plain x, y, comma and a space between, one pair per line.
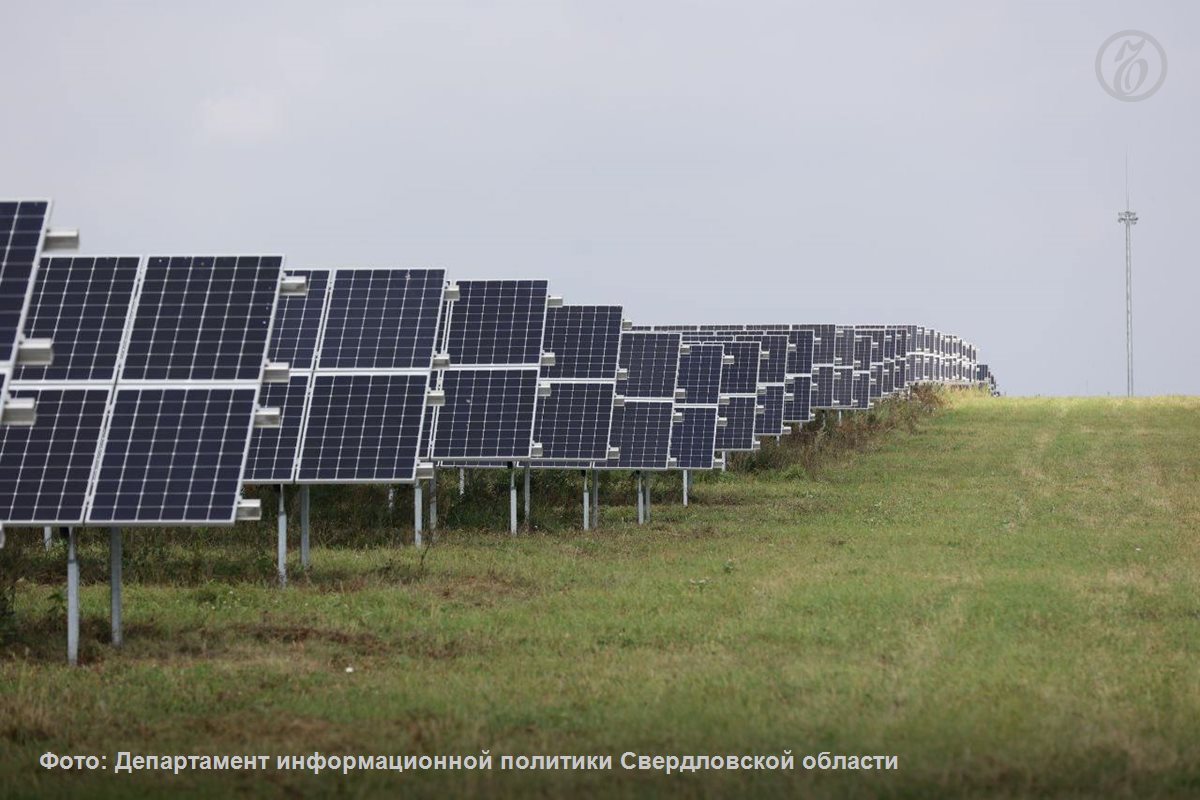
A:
1004, 596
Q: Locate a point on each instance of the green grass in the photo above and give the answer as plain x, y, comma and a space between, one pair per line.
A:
1003, 594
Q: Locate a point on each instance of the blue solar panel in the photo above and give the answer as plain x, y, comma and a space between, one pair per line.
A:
174, 455
203, 318
741, 377
797, 406
824, 394
382, 319
573, 422
81, 304
585, 341
488, 414
772, 368
642, 430
652, 362
298, 321
45, 469
22, 226
497, 323
273, 451
700, 373
843, 386
694, 440
862, 390
363, 428
738, 432
770, 422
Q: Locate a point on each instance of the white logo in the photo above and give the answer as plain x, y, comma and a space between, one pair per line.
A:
1131, 65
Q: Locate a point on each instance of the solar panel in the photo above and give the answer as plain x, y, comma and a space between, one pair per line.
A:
203, 318
642, 431
488, 414
843, 387
700, 373
295, 340
382, 319
82, 305
652, 361
174, 455
497, 322
861, 392
642, 427
46, 469
741, 377
769, 421
295, 334
366, 409
362, 428
188, 388
585, 341
494, 341
22, 229
694, 441
738, 432
273, 451
573, 423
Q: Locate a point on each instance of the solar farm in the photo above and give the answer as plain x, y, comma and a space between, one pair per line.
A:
151, 390
394, 514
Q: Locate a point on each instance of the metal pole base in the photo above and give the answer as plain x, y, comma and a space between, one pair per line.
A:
587, 511
512, 499
304, 509
418, 514
114, 585
281, 545
72, 597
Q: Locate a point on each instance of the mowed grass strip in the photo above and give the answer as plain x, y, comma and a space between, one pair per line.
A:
1004, 597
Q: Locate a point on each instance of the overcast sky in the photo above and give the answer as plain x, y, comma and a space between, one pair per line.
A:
946, 164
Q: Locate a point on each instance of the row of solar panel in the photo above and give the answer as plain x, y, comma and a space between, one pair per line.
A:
176, 378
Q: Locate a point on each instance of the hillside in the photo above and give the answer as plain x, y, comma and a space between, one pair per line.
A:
1004, 597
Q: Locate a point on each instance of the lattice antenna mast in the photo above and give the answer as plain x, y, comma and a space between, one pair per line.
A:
1128, 218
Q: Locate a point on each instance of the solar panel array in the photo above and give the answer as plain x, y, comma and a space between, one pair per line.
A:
642, 425
574, 422
494, 336
694, 440
144, 414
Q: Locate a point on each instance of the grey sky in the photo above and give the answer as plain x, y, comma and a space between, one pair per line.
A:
940, 163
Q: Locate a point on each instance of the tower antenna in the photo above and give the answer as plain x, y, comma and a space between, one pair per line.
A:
1128, 218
